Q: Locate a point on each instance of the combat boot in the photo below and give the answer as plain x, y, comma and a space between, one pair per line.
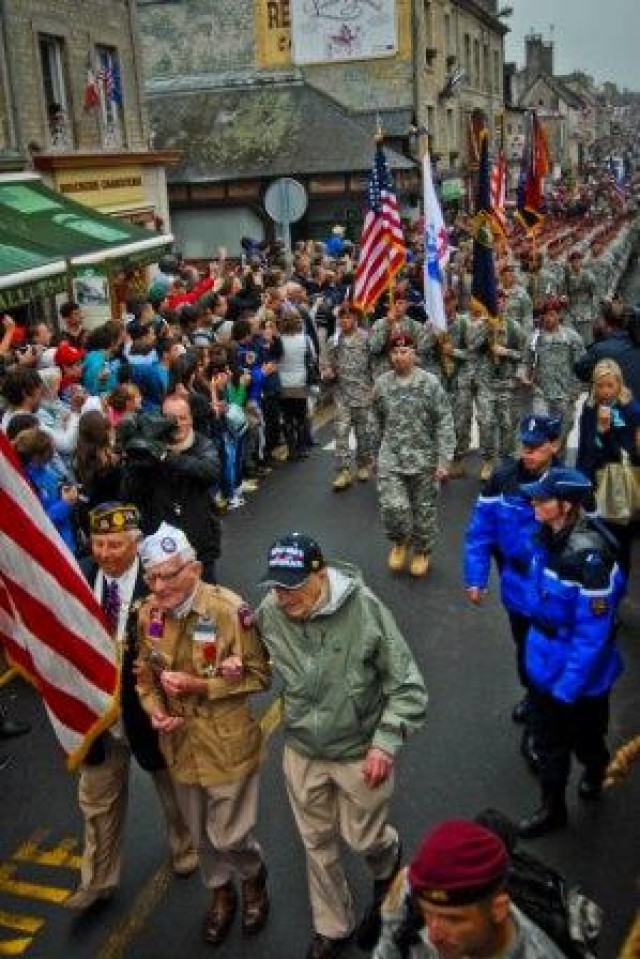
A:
255, 903
397, 557
486, 470
362, 474
457, 470
343, 480
419, 564
551, 816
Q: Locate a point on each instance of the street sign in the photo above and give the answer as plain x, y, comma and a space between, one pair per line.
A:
285, 200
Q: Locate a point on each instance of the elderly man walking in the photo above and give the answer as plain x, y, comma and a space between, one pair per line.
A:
352, 693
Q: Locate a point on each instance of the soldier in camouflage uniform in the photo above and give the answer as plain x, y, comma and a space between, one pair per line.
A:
397, 321
580, 288
601, 266
349, 369
541, 281
470, 336
416, 441
507, 343
549, 358
518, 305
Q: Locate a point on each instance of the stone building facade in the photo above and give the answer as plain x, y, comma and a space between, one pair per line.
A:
72, 105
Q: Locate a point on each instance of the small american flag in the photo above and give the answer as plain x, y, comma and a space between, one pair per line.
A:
50, 623
382, 247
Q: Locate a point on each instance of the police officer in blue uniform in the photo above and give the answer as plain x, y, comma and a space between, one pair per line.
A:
501, 526
571, 658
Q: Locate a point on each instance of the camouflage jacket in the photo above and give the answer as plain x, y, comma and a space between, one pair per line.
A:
349, 360
549, 361
380, 335
413, 423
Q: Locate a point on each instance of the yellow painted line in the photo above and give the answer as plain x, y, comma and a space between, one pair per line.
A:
29, 890
15, 947
145, 903
6, 677
12, 920
61, 855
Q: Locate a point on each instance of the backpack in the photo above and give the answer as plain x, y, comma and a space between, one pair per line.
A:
569, 918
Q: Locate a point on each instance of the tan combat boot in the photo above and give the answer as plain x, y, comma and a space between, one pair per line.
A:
419, 564
486, 470
343, 480
362, 474
397, 557
456, 470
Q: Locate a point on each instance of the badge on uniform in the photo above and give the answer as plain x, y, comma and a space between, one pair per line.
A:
599, 606
206, 635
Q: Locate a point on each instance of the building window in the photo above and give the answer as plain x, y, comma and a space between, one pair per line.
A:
467, 56
56, 99
448, 46
109, 87
476, 63
486, 70
451, 129
497, 86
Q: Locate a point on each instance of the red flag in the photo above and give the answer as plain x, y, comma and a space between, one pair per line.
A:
91, 92
499, 193
382, 248
50, 622
534, 167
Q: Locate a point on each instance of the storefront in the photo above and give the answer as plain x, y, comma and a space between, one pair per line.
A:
94, 247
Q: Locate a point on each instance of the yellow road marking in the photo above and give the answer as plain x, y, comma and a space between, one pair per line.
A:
29, 890
60, 855
12, 920
15, 947
145, 903
5, 678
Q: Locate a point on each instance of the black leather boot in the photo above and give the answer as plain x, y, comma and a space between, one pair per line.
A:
520, 712
590, 787
551, 816
529, 751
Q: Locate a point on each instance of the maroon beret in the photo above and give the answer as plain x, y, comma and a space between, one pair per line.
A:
402, 338
458, 863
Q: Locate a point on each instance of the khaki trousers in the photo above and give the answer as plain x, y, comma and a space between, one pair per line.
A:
330, 801
221, 820
102, 794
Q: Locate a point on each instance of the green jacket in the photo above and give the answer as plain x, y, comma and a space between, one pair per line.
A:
350, 680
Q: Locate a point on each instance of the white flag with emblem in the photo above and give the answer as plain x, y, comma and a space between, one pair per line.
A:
436, 250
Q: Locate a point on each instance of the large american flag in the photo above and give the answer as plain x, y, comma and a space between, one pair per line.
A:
382, 247
50, 623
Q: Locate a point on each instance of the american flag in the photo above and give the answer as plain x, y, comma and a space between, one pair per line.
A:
50, 623
382, 247
108, 77
499, 192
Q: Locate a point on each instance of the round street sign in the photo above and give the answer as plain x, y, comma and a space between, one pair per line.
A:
285, 200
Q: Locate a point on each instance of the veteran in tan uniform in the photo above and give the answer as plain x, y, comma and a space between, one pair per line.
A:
200, 660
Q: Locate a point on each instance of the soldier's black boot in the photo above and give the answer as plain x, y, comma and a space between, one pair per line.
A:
370, 926
549, 817
529, 751
590, 787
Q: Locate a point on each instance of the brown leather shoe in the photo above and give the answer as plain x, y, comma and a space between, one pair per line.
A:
255, 903
221, 912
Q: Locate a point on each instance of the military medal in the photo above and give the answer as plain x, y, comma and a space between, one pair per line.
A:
206, 636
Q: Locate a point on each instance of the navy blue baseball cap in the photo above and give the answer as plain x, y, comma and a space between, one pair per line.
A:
292, 560
560, 482
538, 429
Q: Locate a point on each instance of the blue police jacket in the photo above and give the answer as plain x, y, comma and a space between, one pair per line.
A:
502, 526
575, 587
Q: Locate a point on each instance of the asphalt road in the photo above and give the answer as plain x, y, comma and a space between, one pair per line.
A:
465, 760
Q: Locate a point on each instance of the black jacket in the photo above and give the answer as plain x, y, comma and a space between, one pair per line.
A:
180, 490
619, 346
137, 725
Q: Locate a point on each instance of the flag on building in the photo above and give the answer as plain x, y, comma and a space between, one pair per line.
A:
111, 81
382, 247
484, 289
91, 90
499, 192
50, 623
436, 250
534, 167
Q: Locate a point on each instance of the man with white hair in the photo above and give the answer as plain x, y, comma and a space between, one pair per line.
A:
200, 660
115, 574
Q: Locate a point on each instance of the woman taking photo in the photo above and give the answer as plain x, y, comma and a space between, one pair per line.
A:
609, 429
